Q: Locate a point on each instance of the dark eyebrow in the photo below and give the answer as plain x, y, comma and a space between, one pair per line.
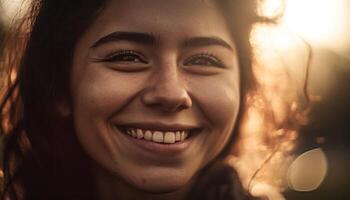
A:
206, 41
138, 37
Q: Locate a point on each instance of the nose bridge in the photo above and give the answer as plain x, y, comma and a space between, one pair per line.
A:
167, 88
167, 78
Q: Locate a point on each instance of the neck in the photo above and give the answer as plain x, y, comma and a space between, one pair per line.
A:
111, 187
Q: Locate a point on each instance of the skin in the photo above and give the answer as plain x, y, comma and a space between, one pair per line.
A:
168, 81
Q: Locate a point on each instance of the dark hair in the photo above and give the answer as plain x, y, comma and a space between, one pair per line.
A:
35, 149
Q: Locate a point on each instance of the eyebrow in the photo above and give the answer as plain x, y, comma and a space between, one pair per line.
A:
137, 37
206, 41
150, 39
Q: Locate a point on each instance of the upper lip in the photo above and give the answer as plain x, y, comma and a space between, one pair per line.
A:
159, 126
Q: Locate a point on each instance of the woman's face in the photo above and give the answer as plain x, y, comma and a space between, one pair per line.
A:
155, 88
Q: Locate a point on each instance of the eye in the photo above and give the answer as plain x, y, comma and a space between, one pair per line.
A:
126, 56
204, 59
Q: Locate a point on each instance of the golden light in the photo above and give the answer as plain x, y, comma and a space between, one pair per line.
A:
270, 8
320, 22
12, 9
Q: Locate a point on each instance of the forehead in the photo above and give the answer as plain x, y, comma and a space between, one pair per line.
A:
163, 17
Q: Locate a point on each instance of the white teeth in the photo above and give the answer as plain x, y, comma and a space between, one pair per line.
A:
139, 133
184, 135
148, 135
178, 136
133, 133
158, 137
169, 137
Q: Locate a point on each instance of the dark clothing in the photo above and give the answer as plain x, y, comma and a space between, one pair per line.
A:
219, 182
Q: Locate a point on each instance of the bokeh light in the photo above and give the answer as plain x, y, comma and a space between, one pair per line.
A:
308, 171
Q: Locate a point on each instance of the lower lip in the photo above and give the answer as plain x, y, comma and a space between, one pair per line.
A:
160, 148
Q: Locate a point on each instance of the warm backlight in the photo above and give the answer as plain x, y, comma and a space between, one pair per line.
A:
321, 22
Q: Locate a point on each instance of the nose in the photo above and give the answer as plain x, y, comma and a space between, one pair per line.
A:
166, 92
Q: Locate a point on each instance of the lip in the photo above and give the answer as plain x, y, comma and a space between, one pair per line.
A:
158, 148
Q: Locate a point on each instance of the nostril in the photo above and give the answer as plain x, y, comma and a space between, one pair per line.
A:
179, 107
167, 100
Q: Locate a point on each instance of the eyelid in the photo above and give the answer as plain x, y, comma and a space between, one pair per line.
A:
110, 56
207, 55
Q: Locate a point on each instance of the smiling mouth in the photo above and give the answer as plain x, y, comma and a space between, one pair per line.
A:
158, 136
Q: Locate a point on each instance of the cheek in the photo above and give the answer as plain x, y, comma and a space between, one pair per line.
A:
102, 92
219, 101
98, 93
218, 98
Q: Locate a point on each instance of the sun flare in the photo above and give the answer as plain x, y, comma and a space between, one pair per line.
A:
321, 22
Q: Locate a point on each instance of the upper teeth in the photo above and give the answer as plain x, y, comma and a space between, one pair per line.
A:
168, 137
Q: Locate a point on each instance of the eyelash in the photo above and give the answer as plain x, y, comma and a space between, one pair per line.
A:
214, 61
120, 56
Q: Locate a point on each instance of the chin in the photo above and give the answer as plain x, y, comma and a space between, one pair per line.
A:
161, 183
161, 188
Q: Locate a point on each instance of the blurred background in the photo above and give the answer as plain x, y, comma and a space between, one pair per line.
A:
322, 169
318, 30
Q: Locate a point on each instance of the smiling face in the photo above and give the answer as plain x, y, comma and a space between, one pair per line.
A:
155, 88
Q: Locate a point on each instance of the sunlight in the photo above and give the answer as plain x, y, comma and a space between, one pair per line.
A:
318, 20
11, 9
270, 8
321, 22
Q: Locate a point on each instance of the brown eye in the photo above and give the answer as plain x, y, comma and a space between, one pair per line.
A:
127, 56
203, 60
